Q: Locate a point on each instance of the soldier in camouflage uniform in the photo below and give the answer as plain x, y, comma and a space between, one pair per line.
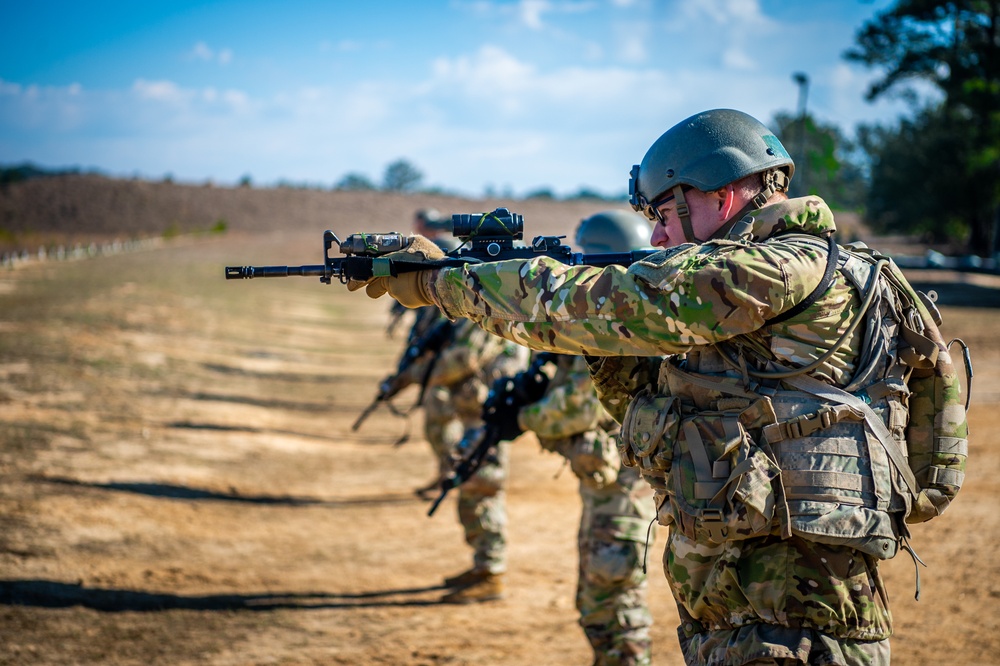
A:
617, 504
775, 433
456, 381
458, 384
442, 427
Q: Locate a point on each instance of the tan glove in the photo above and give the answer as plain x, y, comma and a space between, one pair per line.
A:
409, 288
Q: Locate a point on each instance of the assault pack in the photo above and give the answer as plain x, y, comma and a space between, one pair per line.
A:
738, 446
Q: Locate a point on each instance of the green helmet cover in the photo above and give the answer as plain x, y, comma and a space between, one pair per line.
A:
706, 151
612, 231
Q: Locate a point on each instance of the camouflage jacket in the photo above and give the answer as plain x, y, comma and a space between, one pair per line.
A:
569, 406
672, 302
686, 301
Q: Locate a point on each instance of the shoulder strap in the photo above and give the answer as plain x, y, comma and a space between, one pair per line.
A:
824, 284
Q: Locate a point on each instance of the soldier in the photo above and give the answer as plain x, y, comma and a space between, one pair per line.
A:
617, 503
459, 384
775, 432
455, 382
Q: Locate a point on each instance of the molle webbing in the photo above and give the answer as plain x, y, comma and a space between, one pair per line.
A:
878, 427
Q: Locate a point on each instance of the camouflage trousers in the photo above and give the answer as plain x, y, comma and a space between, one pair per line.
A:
777, 601
482, 500
611, 588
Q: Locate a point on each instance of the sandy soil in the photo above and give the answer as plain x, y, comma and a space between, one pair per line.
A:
179, 484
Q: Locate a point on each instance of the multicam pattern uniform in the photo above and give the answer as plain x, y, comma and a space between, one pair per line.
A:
759, 598
617, 513
458, 384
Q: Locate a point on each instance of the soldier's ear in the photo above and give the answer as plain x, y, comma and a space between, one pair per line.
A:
725, 197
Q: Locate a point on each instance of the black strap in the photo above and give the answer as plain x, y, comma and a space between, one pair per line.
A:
824, 284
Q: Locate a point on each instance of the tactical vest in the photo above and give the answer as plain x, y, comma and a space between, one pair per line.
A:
737, 446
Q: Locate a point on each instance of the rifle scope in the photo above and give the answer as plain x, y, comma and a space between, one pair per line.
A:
499, 224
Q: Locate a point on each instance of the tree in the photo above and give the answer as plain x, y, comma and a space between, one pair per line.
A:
541, 193
834, 164
955, 46
355, 181
401, 176
917, 182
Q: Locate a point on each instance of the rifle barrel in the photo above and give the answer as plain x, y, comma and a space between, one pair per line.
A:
365, 414
250, 272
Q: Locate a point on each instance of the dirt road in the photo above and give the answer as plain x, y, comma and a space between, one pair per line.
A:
179, 484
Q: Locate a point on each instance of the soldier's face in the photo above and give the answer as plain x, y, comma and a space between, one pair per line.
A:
706, 218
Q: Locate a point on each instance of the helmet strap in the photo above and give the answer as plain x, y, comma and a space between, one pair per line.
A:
773, 181
684, 213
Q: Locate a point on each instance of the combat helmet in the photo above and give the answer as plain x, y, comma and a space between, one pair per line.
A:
708, 151
612, 231
431, 219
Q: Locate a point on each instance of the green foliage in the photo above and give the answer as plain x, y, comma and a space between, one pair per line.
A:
401, 176
173, 230
587, 194
26, 171
919, 177
220, 226
353, 182
541, 193
246, 181
951, 163
826, 163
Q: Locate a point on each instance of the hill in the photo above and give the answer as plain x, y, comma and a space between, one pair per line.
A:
84, 208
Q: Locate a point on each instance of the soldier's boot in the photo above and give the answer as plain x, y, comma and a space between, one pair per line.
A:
489, 588
466, 578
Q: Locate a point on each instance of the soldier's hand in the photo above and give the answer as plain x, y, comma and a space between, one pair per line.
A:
408, 288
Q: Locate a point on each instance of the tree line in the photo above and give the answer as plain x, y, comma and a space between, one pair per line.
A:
936, 173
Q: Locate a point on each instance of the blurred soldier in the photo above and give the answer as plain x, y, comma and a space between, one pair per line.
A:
430, 224
455, 377
457, 387
455, 381
773, 387
617, 504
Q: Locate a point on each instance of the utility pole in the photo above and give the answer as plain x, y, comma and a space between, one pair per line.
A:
800, 159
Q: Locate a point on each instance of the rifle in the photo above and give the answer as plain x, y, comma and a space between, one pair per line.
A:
485, 237
499, 415
432, 341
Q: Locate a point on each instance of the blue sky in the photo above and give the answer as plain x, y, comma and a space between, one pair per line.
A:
480, 95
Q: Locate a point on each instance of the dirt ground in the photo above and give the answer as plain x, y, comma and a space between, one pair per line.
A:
179, 484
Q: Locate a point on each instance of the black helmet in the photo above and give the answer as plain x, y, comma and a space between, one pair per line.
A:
612, 231
708, 151
430, 218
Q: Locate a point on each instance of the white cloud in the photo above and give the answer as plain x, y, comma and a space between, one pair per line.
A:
512, 112
163, 91
202, 51
530, 12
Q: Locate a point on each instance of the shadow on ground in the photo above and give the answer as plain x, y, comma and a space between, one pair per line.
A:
170, 491
54, 594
